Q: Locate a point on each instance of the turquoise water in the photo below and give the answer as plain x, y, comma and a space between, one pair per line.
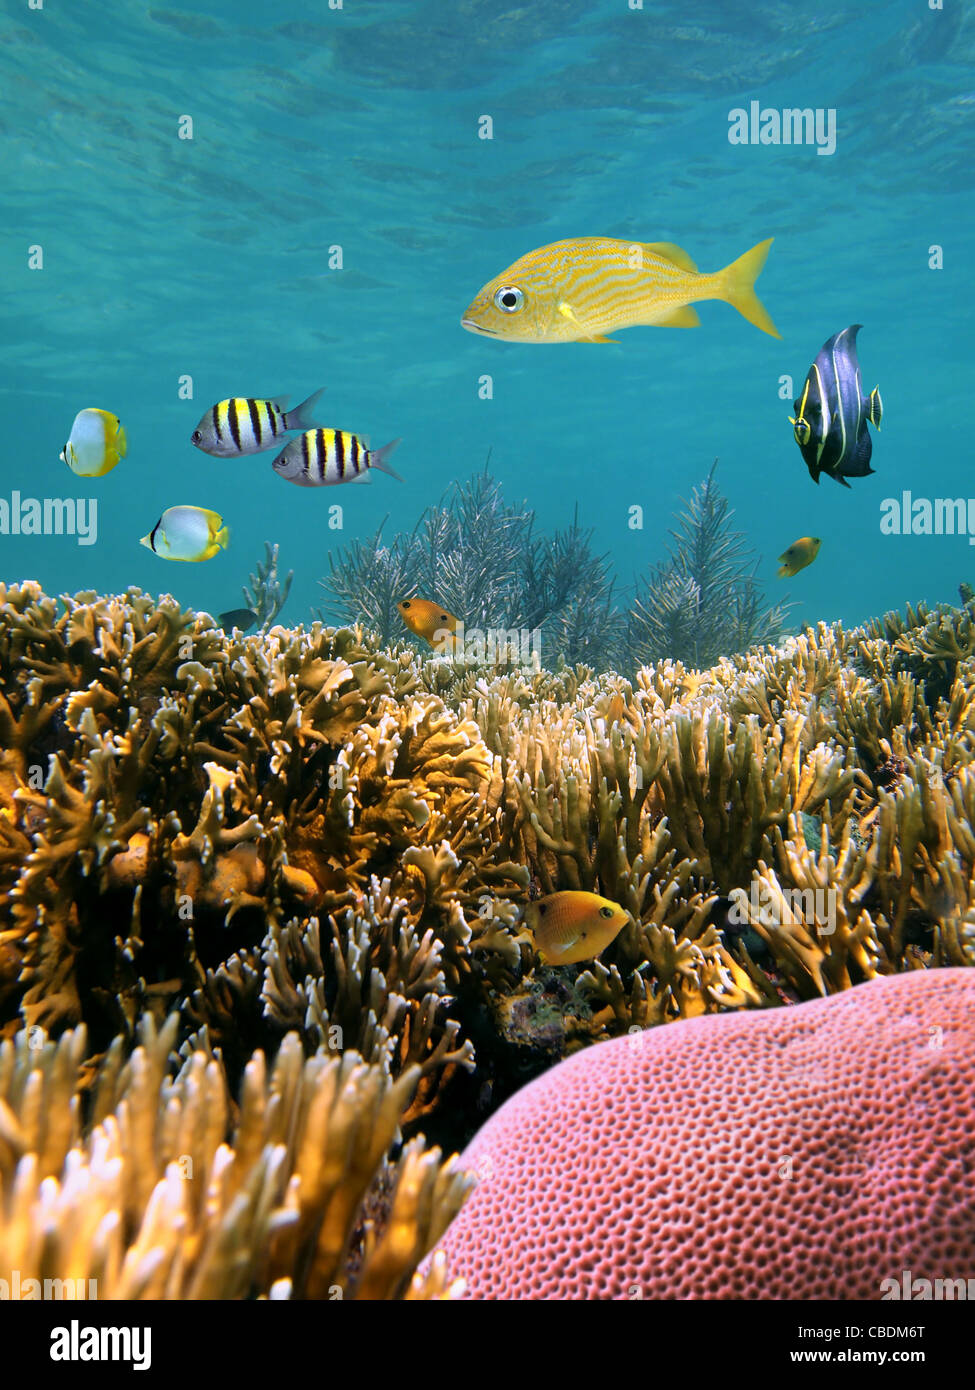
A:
208, 258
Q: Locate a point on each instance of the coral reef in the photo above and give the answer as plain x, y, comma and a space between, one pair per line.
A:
808, 1153
302, 840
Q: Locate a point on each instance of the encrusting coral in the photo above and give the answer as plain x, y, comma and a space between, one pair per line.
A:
817, 1152
299, 844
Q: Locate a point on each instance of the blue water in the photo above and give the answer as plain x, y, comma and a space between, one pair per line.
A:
208, 258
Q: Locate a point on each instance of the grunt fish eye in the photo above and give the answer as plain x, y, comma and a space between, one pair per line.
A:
508, 299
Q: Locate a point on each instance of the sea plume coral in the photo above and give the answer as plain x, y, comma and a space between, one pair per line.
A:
486, 562
802, 1153
704, 602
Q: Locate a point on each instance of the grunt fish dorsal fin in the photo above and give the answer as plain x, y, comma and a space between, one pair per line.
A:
670, 252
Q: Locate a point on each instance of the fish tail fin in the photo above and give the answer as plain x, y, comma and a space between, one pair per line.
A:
738, 287
302, 417
379, 459
122, 443
222, 538
875, 412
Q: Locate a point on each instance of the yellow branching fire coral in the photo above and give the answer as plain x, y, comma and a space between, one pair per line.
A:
174, 1193
239, 866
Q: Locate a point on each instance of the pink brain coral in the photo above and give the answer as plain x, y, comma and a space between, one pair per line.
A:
805, 1152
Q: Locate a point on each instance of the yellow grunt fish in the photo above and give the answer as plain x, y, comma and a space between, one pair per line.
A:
572, 925
582, 289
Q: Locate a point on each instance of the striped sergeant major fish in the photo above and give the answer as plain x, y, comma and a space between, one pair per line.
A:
323, 458
830, 423
243, 425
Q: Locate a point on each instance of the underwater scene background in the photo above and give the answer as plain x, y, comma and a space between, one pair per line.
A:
292, 917
358, 128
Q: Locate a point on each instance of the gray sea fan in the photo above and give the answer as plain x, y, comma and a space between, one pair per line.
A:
705, 601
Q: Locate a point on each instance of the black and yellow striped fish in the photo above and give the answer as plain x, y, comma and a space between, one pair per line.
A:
323, 458
243, 425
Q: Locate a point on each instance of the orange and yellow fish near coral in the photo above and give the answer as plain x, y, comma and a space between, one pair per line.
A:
799, 554
571, 926
425, 619
580, 290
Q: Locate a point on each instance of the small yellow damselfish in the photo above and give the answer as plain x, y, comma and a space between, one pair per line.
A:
187, 533
96, 443
425, 619
799, 554
580, 290
573, 926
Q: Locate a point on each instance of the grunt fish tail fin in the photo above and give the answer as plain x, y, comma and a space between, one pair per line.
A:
302, 417
875, 408
737, 287
378, 459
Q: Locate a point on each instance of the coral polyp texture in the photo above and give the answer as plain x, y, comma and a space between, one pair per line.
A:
808, 1153
304, 846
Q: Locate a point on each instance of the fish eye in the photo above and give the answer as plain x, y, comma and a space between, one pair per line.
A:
605, 912
197, 436
508, 299
444, 618
406, 603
